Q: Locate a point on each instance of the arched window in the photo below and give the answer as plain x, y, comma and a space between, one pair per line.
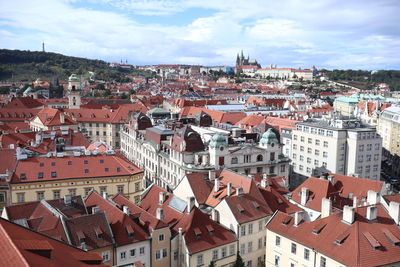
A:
234, 160
260, 158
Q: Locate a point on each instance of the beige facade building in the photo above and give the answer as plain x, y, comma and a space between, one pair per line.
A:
389, 129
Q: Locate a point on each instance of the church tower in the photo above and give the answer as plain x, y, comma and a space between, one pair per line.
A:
74, 92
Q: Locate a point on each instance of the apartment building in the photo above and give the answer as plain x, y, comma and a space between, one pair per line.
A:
336, 146
60, 175
167, 155
389, 129
363, 236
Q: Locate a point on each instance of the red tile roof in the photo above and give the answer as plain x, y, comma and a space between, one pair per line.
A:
351, 245
16, 115
24, 102
70, 167
52, 117
20, 246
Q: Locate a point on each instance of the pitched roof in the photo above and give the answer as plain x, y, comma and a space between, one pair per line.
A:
24, 102
71, 167
20, 246
350, 244
17, 114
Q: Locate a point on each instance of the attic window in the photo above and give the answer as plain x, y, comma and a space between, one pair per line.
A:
256, 205
341, 238
210, 229
53, 164
69, 162
22, 176
392, 238
99, 233
86, 170
85, 162
40, 175
53, 174
287, 220
129, 231
240, 208
372, 241
118, 169
197, 232
318, 228
81, 236
102, 161
279, 200
41, 164
106, 169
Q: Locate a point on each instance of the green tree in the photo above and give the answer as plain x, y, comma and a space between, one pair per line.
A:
239, 261
212, 264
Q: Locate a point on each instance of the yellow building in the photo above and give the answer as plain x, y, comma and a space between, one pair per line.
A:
389, 129
53, 177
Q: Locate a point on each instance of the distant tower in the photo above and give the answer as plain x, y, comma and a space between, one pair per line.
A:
74, 92
43, 47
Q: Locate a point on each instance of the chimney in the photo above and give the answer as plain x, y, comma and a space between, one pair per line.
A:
264, 181
228, 189
298, 217
304, 196
355, 200
126, 210
326, 207
348, 214
95, 209
216, 185
372, 197
331, 179
105, 195
190, 204
161, 198
211, 175
372, 213
239, 191
394, 211
160, 214
215, 215
62, 118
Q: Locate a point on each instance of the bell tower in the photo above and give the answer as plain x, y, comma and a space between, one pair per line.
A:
74, 92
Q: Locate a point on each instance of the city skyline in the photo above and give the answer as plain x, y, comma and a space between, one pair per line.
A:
328, 34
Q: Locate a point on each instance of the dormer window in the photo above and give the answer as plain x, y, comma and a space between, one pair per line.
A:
81, 236
22, 176
129, 231
53, 164
86, 170
69, 162
118, 169
85, 162
40, 175
99, 233
53, 174
197, 232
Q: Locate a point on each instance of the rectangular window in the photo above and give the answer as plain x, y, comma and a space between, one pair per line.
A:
200, 260
242, 249
302, 138
250, 246
87, 190
106, 256
141, 250
120, 189
277, 260
283, 168
316, 152
317, 142
306, 254
53, 174
322, 262
161, 238
231, 250
250, 229
123, 255
72, 192
21, 197
243, 230
223, 252
260, 243
133, 252
301, 148
164, 252
293, 248
158, 254
215, 255
278, 241
40, 175
40, 195
137, 186
361, 148
2, 197
325, 143
309, 140
309, 150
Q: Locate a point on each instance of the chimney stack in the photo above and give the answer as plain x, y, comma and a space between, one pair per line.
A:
211, 175
264, 181
215, 215
190, 204
372, 213
304, 196
105, 195
326, 207
160, 214
216, 185
373, 197
394, 211
348, 214
298, 217
62, 118
331, 179
126, 210
228, 189
355, 201
161, 198
239, 191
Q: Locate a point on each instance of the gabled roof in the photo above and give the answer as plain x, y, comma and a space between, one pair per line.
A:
24, 102
121, 224
53, 117
341, 191
20, 246
350, 244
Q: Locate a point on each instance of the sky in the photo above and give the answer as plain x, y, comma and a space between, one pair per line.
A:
332, 34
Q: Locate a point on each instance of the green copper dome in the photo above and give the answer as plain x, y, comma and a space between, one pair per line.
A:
269, 137
73, 78
218, 140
